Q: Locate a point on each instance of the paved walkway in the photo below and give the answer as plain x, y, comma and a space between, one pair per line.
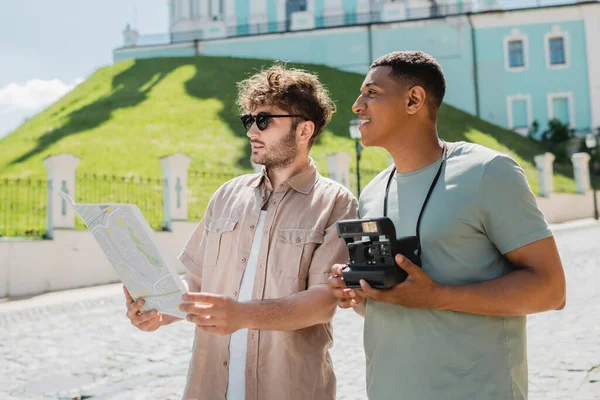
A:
79, 343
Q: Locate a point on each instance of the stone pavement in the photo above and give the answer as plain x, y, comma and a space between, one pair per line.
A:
78, 344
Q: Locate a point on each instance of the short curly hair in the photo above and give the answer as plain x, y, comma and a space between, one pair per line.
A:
295, 91
416, 68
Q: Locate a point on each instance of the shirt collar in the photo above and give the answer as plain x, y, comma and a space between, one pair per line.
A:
302, 182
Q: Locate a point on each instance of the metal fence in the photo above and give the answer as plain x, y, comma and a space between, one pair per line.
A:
146, 193
346, 19
23, 202
23, 208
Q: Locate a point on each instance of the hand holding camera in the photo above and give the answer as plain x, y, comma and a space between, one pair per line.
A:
372, 246
382, 268
347, 298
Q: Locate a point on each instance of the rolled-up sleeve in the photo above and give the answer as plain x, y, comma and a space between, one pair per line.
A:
333, 249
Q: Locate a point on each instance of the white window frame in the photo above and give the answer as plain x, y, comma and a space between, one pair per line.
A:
509, 112
556, 33
562, 95
515, 35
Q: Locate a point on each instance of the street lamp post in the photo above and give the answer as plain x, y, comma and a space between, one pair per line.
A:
355, 135
591, 142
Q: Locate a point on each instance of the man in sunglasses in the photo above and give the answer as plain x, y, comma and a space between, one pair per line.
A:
258, 262
455, 328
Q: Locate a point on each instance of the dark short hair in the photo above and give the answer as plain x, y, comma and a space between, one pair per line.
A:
416, 68
290, 89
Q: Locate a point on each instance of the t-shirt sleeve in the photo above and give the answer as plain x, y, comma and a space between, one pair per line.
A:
507, 207
333, 249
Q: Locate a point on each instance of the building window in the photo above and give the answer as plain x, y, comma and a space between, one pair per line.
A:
560, 107
519, 113
516, 49
557, 51
557, 48
515, 54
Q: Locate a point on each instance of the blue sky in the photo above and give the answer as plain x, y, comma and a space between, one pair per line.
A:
48, 46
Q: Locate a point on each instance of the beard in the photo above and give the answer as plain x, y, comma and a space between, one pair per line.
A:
278, 155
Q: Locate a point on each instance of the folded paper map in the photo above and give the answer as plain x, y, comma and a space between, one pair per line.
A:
130, 245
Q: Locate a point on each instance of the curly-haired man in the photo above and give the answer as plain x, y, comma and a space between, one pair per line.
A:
258, 262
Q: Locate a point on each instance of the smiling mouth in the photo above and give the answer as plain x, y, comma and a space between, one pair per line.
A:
363, 122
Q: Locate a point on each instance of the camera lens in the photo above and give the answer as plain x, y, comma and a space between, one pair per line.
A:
369, 253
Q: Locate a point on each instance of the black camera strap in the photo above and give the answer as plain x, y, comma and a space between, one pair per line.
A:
437, 176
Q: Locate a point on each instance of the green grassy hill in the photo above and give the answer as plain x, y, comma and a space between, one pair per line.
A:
126, 116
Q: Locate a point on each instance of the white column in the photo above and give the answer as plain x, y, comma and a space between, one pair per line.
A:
61, 178
172, 12
175, 177
363, 6
591, 18
339, 168
229, 13
281, 10
581, 166
203, 9
333, 7
184, 9
216, 12
543, 163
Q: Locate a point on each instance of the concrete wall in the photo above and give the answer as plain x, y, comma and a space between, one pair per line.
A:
73, 259
174, 50
561, 207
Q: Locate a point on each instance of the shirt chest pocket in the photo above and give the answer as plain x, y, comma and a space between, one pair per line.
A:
293, 252
219, 241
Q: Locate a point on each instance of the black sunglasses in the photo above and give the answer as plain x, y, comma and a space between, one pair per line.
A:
262, 120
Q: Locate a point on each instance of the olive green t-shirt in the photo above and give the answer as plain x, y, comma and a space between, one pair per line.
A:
481, 208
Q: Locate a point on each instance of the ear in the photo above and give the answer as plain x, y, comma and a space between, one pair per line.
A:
304, 131
416, 99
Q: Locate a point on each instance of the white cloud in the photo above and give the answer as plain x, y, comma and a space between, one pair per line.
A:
18, 101
33, 95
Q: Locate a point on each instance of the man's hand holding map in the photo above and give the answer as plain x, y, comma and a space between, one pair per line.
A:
130, 245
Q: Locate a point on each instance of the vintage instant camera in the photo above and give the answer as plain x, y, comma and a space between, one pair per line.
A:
372, 247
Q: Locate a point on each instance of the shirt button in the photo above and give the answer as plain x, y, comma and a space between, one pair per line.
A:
298, 240
243, 259
251, 227
234, 293
224, 363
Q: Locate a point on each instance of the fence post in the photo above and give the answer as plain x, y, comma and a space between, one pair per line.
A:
175, 179
543, 162
581, 163
61, 178
339, 168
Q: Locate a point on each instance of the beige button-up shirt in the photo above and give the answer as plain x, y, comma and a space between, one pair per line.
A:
299, 246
